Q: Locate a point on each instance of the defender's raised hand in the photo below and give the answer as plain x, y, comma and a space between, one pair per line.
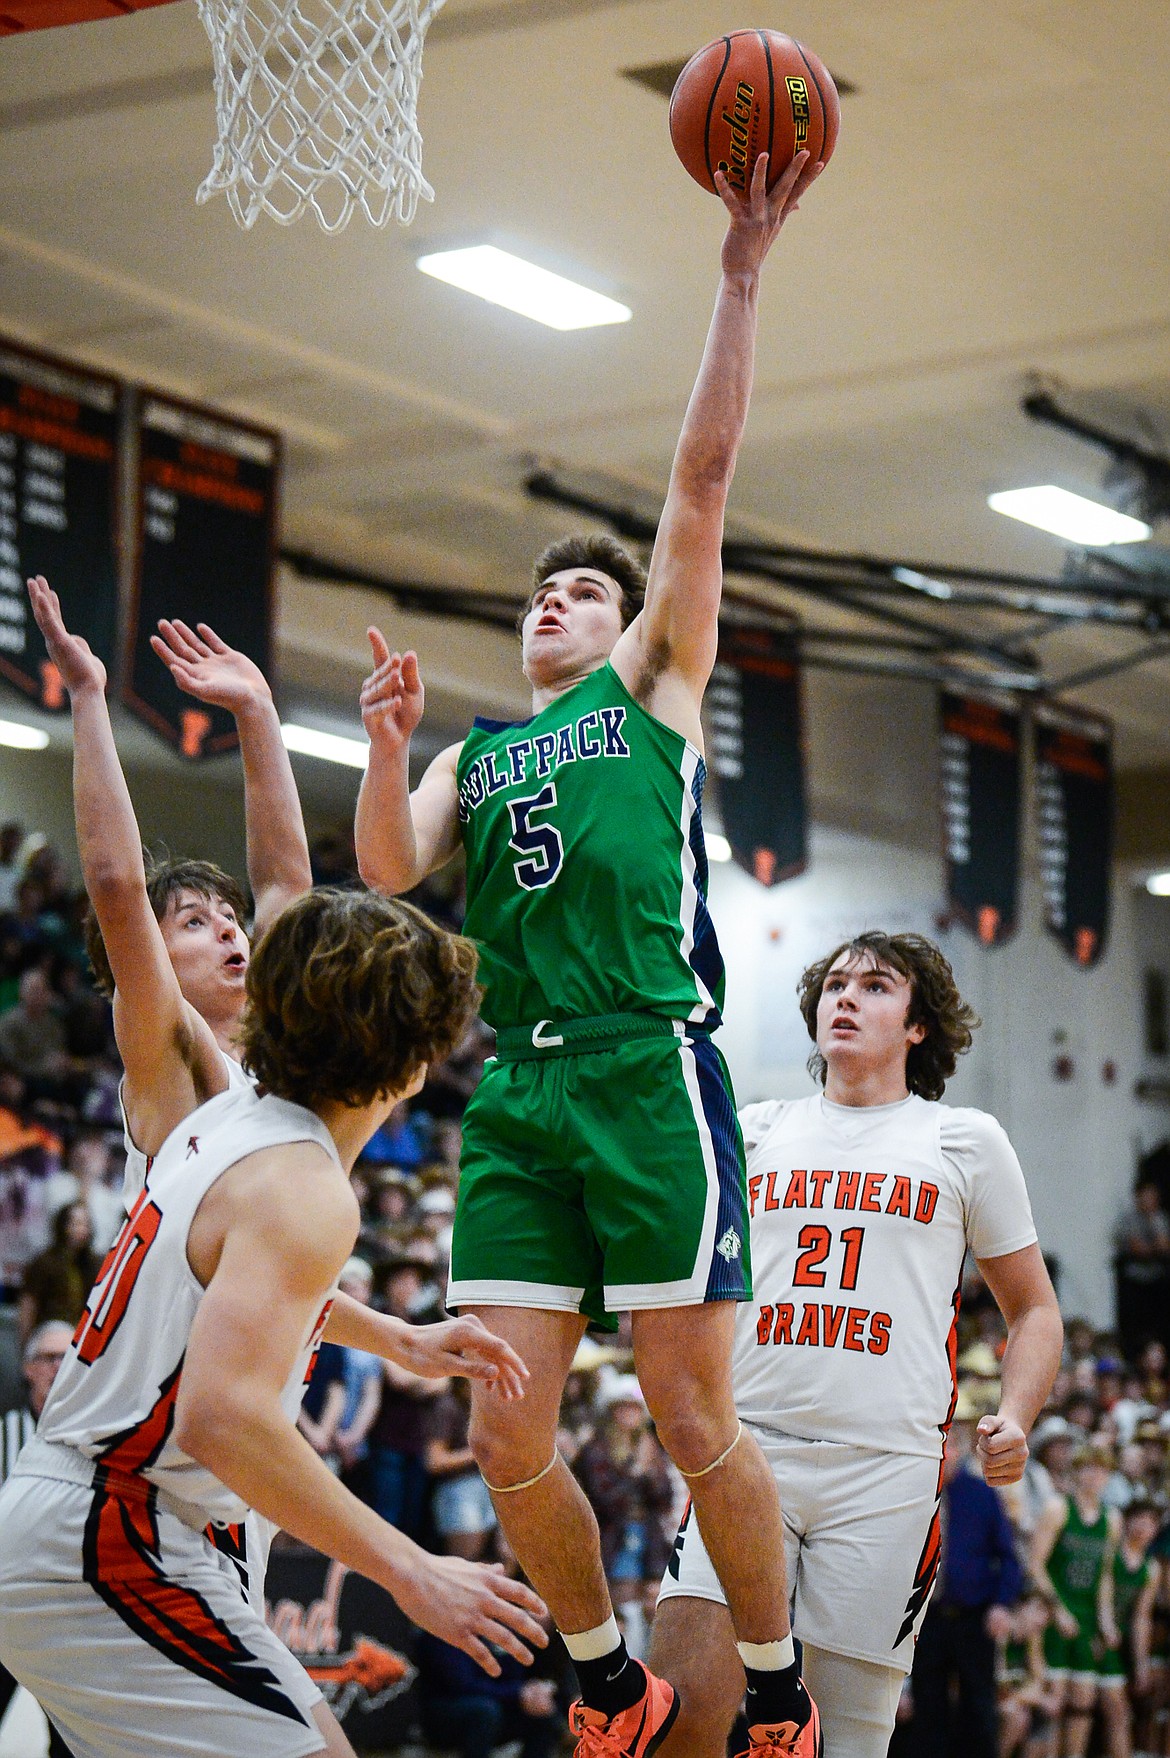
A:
78, 664
392, 696
206, 667
756, 218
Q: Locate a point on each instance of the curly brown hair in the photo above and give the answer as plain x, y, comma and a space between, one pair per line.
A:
349, 993
592, 550
935, 1003
165, 879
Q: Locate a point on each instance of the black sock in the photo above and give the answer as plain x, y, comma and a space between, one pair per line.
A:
612, 1683
776, 1696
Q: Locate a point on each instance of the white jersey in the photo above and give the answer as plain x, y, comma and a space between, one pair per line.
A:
860, 1220
115, 1395
138, 1163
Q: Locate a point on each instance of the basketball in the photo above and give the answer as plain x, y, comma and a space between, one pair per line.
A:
748, 93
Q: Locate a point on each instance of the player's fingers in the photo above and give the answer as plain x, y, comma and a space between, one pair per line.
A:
500, 1636
168, 658
214, 641
379, 644
482, 1655
177, 638
759, 189
526, 1600
193, 641
410, 673
727, 196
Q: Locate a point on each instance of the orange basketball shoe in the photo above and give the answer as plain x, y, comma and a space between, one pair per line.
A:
784, 1739
636, 1732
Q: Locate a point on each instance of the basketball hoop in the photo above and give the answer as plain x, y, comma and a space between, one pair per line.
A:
316, 106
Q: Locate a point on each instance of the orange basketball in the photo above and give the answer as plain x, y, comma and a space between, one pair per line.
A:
749, 93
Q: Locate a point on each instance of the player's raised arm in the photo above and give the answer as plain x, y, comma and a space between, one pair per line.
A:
680, 618
278, 852
165, 1046
400, 837
266, 1243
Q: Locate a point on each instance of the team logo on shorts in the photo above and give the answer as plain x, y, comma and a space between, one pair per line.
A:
730, 1245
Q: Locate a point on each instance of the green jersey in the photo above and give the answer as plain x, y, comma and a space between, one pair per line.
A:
1078, 1558
1128, 1586
586, 869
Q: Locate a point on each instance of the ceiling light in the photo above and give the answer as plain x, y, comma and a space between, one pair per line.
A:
21, 737
1158, 884
1069, 515
520, 286
354, 753
718, 847
923, 583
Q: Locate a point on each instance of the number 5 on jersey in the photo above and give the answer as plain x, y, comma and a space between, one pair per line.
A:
111, 1293
540, 844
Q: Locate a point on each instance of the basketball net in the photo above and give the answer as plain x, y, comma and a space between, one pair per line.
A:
316, 106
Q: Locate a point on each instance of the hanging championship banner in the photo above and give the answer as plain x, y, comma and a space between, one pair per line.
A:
979, 761
755, 743
58, 510
206, 544
1074, 800
352, 1640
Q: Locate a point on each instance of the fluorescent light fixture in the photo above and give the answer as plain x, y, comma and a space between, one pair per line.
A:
517, 285
21, 737
923, 583
1069, 515
354, 753
1158, 884
718, 847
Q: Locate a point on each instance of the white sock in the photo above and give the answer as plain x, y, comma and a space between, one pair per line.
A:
593, 1644
765, 1657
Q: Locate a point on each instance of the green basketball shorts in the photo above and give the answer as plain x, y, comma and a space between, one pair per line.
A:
1073, 1657
602, 1172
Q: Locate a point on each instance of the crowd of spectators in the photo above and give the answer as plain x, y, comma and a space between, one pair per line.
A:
984, 1683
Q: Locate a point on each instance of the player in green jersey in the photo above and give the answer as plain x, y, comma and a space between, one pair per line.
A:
1073, 1548
1135, 1585
603, 1167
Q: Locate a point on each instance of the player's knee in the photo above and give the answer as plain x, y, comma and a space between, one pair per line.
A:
505, 1451
693, 1433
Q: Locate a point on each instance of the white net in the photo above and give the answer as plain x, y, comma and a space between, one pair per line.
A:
316, 106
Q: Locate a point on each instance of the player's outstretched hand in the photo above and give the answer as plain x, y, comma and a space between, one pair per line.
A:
756, 218
465, 1347
78, 664
1001, 1447
207, 668
472, 1605
392, 696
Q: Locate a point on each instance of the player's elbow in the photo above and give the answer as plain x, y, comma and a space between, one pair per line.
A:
208, 1426
379, 870
113, 885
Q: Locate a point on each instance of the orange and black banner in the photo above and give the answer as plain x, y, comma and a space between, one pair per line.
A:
58, 510
980, 748
755, 747
352, 1640
205, 548
1074, 803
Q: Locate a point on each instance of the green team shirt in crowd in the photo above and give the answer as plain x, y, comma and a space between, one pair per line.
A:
1128, 1585
586, 869
1076, 1563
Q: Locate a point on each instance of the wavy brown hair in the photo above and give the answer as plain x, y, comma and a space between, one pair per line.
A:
595, 549
935, 1003
165, 879
349, 993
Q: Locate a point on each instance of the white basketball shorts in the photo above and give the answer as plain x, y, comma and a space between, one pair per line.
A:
861, 1543
132, 1631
